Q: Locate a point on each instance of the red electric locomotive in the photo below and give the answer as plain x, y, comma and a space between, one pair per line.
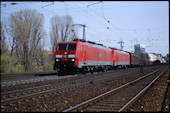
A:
88, 56
121, 59
81, 55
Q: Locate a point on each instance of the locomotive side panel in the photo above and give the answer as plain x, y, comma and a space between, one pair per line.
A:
96, 56
121, 58
81, 54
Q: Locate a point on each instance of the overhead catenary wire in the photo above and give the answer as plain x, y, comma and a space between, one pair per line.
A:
55, 13
88, 13
66, 8
128, 4
48, 5
105, 20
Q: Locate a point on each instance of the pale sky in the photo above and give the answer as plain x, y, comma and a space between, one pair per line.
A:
108, 22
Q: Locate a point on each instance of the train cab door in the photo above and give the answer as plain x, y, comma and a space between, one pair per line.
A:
83, 53
116, 59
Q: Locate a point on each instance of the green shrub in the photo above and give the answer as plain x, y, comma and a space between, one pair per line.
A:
6, 63
48, 66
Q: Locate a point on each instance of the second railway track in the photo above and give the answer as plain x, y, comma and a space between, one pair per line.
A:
120, 98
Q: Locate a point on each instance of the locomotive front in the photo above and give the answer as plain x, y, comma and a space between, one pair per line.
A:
65, 57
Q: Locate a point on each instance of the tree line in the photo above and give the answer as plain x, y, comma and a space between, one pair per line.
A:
23, 40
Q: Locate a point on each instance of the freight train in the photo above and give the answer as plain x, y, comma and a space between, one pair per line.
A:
81, 55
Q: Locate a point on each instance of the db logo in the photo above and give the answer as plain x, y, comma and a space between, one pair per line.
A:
64, 56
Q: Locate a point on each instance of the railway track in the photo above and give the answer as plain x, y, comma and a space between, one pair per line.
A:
33, 79
31, 94
23, 94
120, 98
7, 76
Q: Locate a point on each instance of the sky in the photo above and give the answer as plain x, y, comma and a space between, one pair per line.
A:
108, 22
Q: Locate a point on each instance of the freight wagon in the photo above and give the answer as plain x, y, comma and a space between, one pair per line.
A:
134, 59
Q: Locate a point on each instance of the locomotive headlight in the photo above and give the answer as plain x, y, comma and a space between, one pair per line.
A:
57, 60
72, 60
71, 56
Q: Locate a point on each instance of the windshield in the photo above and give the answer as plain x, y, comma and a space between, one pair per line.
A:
62, 47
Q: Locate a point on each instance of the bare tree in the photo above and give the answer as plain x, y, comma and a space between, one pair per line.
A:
61, 30
54, 33
40, 57
4, 46
26, 31
66, 28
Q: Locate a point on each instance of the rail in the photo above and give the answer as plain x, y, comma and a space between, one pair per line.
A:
83, 104
140, 93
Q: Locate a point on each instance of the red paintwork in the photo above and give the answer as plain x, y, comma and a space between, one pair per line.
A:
98, 54
120, 56
92, 54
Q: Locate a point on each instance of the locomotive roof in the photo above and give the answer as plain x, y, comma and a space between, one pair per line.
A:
93, 44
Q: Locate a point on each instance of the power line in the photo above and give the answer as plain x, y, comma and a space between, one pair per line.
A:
108, 22
48, 5
104, 19
121, 44
103, 11
82, 25
94, 3
4, 5
66, 8
94, 11
124, 5
86, 12
66, 11
96, 18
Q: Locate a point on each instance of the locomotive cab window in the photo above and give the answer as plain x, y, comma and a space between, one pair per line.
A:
62, 47
71, 46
